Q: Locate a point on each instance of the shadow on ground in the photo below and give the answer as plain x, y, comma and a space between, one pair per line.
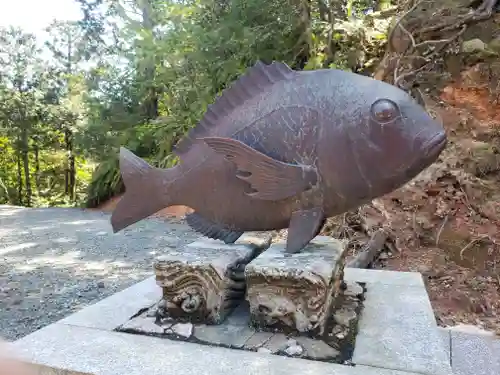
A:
55, 261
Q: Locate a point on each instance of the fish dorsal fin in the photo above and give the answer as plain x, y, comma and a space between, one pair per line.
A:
257, 79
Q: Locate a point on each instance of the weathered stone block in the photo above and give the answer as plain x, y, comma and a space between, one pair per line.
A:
204, 281
295, 292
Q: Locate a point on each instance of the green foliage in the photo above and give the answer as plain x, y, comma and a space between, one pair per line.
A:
7, 178
141, 73
105, 183
39, 112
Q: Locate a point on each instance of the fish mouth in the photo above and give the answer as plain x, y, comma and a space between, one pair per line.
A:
435, 145
433, 149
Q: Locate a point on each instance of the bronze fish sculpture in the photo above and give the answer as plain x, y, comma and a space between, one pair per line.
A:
286, 149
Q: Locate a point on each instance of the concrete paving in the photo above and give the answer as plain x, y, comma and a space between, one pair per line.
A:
472, 354
56, 261
86, 342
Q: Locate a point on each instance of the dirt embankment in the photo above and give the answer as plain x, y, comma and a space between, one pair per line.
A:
446, 223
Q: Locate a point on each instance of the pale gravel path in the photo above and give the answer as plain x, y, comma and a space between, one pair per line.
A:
55, 261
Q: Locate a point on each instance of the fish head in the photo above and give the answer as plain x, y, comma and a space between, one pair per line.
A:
395, 137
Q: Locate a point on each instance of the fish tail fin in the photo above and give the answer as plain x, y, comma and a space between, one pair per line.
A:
146, 190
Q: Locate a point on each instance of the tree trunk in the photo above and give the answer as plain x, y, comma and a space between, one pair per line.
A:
19, 177
70, 169
68, 177
71, 166
305, 28
324, 12
26, 165
66, 165
150, 106
370, 250
37, 166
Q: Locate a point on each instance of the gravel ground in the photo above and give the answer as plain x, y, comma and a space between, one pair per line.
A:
56, 261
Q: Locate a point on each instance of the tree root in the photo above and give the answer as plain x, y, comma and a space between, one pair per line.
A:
370, 250
486, 8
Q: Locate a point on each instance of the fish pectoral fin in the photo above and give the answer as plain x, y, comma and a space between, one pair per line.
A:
304, 226
270, 179
210, 229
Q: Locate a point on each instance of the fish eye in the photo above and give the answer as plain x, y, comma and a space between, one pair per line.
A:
385, 110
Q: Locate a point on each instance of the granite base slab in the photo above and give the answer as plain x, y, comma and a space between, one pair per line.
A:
61, 349
474, 354
397, 335
336, 345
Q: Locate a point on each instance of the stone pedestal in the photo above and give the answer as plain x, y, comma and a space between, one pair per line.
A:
295, 292
203, 281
